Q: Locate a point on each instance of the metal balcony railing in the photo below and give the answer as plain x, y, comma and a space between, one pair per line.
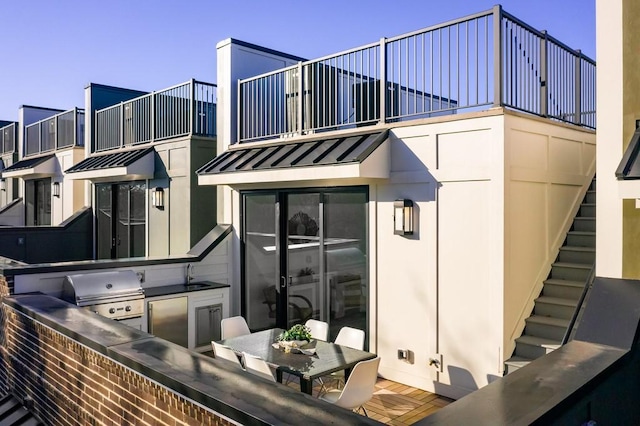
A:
60, 131
8, 136
479, 61
186, 109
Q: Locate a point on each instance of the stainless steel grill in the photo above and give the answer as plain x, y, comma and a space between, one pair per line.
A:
114, 294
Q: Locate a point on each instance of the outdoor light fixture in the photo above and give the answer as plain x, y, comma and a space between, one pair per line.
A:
157, 198
3, 185
56, 189
403, 217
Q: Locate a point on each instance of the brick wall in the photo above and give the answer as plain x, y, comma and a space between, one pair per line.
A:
67, 383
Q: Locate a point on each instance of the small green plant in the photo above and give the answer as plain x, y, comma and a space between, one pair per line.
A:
297, 332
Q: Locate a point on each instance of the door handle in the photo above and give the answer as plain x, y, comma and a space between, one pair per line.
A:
283, 282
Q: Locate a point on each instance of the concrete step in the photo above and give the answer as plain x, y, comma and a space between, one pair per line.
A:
555, 307
534, 347
564, 289
546, 327
577, 254
570, 271
581, 239
515, 362
590, 197
587, 210
584, 224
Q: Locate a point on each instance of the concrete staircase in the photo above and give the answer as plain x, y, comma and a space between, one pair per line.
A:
561, 292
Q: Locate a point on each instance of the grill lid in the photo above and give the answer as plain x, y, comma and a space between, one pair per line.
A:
100, 287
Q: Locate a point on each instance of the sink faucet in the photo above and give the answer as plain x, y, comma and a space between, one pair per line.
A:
189, 273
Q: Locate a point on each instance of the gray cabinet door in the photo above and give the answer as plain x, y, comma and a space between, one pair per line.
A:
208, 324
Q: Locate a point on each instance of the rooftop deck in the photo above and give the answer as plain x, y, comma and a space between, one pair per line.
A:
62, 130
8, 136
185, 109
473, 63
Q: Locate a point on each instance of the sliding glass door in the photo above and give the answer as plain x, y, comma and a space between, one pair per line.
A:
121, 220
38, 202
306, 251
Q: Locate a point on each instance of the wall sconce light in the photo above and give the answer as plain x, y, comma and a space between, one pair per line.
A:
157, 198
3, 184
403, 217
56, 189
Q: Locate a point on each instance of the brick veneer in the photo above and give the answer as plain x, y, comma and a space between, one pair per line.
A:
66, 383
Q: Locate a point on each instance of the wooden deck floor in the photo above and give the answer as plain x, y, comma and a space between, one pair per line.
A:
397, 404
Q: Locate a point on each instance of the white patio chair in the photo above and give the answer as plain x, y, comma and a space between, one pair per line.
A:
258, 366
233, 327
351, 337
319, 329
225, 352
359, 387
347, 336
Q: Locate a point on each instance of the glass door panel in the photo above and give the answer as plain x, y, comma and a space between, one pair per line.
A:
103, 221
122, 221
261, 264
305, 295
345, 248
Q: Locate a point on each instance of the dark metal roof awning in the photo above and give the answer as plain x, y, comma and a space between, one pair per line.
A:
32, 168
336, 157
133, 164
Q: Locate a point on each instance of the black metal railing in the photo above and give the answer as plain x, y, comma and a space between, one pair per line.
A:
185, 109
479, 61
60, 131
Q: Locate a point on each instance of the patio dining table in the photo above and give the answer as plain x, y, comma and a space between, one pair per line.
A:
328, 357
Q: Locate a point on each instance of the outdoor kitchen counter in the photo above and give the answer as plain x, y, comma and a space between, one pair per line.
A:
224, 389
183, 288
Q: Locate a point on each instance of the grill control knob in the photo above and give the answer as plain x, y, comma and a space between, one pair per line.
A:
112, 310
128, 308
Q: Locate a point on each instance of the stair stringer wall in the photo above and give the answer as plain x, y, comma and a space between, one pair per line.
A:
548, 169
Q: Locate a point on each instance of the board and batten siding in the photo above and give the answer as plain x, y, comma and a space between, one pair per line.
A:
493, 197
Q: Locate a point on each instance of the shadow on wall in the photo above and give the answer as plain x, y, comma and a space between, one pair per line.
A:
459, 379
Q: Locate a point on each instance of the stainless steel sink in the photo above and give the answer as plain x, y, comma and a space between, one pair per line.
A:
197, 286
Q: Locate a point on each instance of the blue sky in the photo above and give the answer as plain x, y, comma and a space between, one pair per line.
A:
52, 49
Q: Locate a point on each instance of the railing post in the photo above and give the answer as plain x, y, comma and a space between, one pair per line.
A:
75, 126
544, 89
240, 118
56, 137
121, 124
497, 55
383, 80
192, 114
578, 117
300, 125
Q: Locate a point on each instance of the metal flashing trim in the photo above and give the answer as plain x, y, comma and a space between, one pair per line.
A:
629, 167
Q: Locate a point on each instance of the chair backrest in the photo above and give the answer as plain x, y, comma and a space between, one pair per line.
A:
360, 385
258, 366
234, 326
319, 329
225, 352
351, 337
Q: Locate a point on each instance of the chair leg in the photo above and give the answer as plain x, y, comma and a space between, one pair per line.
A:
363, 410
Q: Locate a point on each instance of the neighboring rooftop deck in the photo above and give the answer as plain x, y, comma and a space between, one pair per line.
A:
8, 136
60, 131
469, 64
182, 110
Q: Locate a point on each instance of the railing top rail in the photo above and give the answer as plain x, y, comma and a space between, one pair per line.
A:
549, 37
7, 126
175, 86
442, 25
267, 74
76, 110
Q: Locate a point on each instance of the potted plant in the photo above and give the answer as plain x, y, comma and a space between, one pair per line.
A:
295, 337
